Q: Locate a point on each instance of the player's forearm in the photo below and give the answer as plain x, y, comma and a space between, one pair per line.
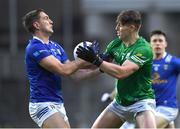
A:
71, 67
115, 70
85, 73
55, 66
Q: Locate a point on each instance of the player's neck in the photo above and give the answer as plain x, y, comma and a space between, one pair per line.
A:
43, 37
131, 39
158, 56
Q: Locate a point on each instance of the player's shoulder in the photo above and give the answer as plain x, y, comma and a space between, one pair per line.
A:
172, 56
144, 48
143, 42
32, 43
144, 45
169, 58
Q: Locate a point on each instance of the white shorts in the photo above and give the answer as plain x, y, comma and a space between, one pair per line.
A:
39, 112
167, 113
129, 113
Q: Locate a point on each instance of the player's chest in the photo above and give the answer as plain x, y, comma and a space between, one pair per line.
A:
55, 51
163, 69
120, 54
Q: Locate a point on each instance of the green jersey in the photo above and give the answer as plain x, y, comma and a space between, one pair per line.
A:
137, 86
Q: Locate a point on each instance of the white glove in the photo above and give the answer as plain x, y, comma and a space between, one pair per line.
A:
105, 97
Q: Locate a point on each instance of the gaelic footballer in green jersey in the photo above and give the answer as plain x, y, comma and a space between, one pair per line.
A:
132, 64
138, 85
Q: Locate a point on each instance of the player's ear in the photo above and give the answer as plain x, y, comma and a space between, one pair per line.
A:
36, 25
165, 44
133, 27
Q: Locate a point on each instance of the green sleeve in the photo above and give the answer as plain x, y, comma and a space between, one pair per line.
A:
141, 55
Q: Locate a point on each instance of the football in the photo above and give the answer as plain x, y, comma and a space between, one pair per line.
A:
83, 44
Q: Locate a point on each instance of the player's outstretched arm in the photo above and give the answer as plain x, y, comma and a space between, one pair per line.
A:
82, 74
53, 65
117, 71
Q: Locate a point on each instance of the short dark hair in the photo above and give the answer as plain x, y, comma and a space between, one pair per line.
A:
30, 18
158, 32
129, 17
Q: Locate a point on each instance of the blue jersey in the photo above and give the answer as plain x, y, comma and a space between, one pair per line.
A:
44, 85
165, 75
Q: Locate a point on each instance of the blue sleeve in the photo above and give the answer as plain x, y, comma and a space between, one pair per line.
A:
38, 52
176, 63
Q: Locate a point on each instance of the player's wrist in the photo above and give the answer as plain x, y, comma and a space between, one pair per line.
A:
97, 61
105, 57
79, 62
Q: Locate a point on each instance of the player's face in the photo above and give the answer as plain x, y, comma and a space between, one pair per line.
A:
45, 24
158, 43
123, 31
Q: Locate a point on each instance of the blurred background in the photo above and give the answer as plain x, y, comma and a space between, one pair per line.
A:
74, 21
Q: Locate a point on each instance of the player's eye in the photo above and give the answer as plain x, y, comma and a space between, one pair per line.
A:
46, 18
155, 40
160, 40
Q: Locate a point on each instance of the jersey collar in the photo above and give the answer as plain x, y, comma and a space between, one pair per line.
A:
164, 55
35, 37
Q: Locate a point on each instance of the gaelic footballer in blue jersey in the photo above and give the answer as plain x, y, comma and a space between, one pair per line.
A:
165, 71
46, 62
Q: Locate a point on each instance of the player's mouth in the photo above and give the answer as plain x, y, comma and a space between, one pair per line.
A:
157, 48
118, 34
